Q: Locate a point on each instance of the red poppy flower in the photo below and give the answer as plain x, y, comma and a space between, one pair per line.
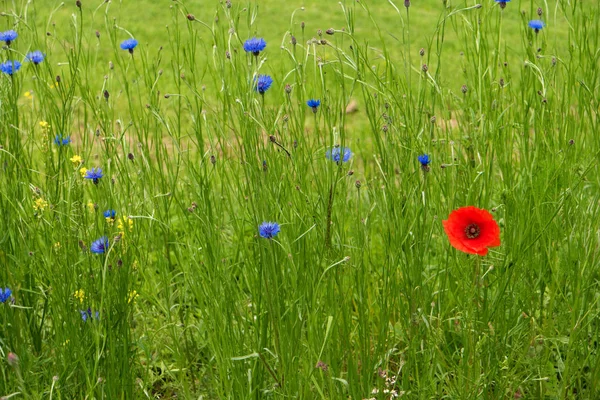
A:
472, 230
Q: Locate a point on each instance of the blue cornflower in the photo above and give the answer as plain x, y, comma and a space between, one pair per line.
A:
129, 45
502, 3
536, 25
35, 57
8, 36
10, 67
268, 230
263, 83
314, 104
339, 153
255, 45
110, 214
99, 246
59, 140
85, 314
424, 160
94, 174
5, 295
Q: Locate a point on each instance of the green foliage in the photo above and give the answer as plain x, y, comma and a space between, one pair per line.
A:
360, 295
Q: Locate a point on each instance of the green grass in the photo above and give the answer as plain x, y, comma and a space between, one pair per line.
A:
361, 290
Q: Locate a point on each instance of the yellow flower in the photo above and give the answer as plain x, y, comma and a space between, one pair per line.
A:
83, 171
28, 94
132, 296
44, 125
125, 224
91, 207
40, 204
110, 221
79, 295
76, 160
56, 246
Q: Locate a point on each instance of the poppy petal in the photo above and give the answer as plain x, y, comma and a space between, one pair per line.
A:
461, 219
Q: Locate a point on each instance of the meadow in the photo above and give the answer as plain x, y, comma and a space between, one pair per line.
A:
299, 199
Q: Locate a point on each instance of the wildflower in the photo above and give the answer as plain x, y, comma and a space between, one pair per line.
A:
268, 230
129, 45
10, 67
472, 230
45, 126
85, 314
56, 246
79, 295
338, 154
424, 160
263, 83
5, 294
91, 206
28, 94
125, 224
99, 246
40, 204
76, 160
314, 104
110, 214
502, 3
94, 174
536, 25
35, 57
59, 140
8, 37
132, 296
12, 359
255, 45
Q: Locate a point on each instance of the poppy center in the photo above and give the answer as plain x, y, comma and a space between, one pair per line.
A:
472, 231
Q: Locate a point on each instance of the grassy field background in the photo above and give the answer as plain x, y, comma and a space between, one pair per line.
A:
361, 294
